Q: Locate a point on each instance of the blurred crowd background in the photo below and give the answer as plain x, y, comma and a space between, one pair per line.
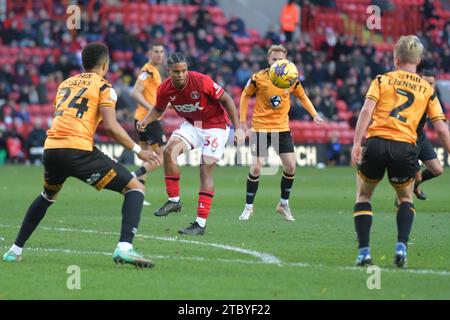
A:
336, 55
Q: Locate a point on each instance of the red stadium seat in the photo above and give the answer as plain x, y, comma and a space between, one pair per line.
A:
307, 125
309, 137
236, 91
132, 7
34, 109
118, 55
295, 126
341, 105
36, 51
27, 51
332, 126
144, 7
48, 109
128, 55
175, 9
13, 50
320, 136
298, 137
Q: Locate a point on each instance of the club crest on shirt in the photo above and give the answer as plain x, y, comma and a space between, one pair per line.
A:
172, 98
275, 101
195, 95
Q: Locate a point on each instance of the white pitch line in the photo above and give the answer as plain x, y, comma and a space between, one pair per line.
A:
355, 268
102, 253
256, 254
292, 264
263, 257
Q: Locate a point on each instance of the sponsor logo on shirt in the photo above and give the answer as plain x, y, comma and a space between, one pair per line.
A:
93, 178
112, 95
188, 107
143, 76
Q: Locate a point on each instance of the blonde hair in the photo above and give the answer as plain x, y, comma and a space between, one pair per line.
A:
276, 48
409, 49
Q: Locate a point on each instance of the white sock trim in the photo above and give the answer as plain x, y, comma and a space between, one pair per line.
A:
17, 250
124, 246
46, 197
138, 190
284, 201
174, 199
201, 221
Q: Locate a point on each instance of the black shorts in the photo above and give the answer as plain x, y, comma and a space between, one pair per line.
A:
153, 134
399, 158
92, 167
280, 141
426, 149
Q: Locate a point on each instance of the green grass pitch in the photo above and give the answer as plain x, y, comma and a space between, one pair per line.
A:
263, 258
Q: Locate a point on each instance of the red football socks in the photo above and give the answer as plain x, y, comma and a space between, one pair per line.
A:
204, 203
173, 186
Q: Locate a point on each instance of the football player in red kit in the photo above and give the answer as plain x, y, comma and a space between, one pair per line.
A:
202, 103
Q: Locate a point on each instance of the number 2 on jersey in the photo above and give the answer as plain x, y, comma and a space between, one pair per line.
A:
396, 111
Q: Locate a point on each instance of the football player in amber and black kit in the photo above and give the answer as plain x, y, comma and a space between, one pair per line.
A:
270, 126
81, 103
394, 106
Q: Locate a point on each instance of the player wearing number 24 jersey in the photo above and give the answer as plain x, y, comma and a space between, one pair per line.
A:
77, 116
81, 103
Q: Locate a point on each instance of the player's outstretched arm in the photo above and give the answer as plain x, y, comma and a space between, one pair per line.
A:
361, 129
149, 118
441, 128
136, 94
228, 103
115, 131
299, 92
243, 109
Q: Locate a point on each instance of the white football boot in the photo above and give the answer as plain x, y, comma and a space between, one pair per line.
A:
284, 210
246, 214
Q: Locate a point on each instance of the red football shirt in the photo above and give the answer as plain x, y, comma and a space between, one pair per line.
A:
198, 102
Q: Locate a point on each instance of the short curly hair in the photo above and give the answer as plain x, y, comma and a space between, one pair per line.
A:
93, 55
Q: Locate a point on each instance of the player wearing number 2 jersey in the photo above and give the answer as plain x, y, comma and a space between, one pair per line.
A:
202, 103
394, 105
82, 102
